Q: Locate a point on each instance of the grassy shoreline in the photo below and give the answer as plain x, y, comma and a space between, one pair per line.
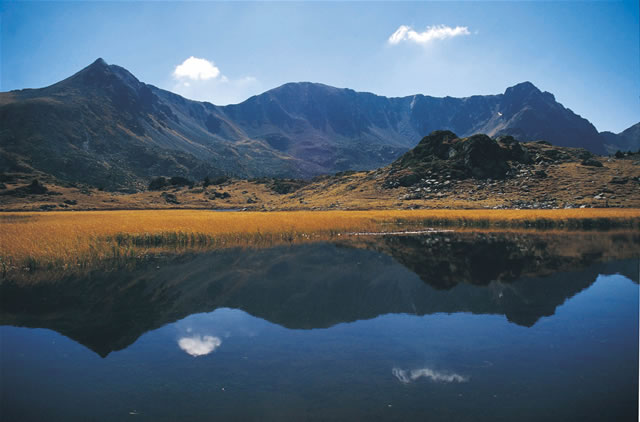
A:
64, 240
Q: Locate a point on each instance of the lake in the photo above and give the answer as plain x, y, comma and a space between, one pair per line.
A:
465, 326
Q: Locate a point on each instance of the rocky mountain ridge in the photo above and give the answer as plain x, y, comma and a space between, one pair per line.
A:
104, 127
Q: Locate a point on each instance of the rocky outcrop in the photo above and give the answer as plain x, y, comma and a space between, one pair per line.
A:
443, 153
34, 188
445, 156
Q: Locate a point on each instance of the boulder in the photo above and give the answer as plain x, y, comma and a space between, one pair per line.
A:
170, 198
35, 188
483, 157
592, 162
617, 180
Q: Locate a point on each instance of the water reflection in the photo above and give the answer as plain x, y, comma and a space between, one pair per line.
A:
445, 260
521, 276
199, 346
406, 376
406, 328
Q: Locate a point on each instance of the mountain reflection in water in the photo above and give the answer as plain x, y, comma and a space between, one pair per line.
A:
523, 276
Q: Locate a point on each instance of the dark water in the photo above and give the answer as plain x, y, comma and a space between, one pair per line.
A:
441, 327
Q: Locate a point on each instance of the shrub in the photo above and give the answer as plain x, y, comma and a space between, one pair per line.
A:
158, 183
591, 162
180, 181
216, 181
36, 187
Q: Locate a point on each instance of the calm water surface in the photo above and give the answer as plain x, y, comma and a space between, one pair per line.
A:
440, 327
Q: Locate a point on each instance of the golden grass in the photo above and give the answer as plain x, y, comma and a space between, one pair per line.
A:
81, 239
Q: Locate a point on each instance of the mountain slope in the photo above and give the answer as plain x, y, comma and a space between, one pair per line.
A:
523, 111
104, 127
627, 140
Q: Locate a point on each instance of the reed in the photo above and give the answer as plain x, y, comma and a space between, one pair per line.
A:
68, 241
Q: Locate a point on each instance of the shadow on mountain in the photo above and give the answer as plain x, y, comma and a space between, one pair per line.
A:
521, 276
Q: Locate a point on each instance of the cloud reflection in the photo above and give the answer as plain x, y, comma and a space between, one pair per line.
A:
406, 376
199, 346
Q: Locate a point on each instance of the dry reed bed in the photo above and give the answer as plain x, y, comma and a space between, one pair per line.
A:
62, 240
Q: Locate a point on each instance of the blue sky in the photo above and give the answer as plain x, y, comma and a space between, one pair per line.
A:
585, 53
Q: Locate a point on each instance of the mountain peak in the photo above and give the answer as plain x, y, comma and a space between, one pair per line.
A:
521, 89
307, 86
101, 74
99, 62
99, 65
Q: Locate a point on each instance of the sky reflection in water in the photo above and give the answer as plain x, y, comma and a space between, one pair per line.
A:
371, 341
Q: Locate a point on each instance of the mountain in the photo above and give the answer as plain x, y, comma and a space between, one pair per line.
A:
104, 127
627, 140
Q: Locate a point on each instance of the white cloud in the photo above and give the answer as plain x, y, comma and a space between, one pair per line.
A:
220, 91
438, 32
199, 346
200, 79
406, 377
196, 69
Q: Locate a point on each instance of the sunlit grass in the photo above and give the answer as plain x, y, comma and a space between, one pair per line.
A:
63, 240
